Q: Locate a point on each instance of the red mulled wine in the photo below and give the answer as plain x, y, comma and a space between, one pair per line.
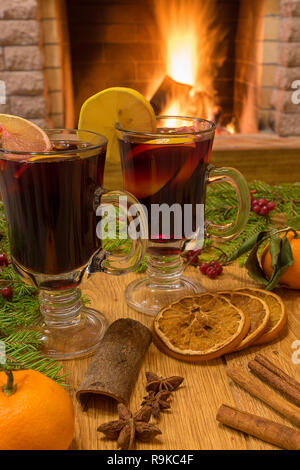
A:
167, 173
49, 208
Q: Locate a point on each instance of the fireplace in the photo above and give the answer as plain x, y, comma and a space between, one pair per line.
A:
139, 44
230, 53
234, 61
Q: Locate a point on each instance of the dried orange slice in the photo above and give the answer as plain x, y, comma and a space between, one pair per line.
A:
278, 316
257, 310
200, 327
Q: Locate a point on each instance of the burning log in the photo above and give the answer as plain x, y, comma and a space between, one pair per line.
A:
185, 100
169, 91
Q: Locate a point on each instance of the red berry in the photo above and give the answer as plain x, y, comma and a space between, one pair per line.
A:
253, 191
211, 272
7, 293
264, 210
271, 206
256, 208
194, 261
213, 263
3, 260
192, 257
219, 270
262, 202
203, 267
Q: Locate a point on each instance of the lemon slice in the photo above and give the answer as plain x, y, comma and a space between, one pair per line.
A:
102, 111
18, 134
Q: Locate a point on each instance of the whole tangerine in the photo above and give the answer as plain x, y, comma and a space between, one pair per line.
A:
291, 277
37, 413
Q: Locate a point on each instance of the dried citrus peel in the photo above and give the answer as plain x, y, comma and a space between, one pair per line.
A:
256, 309
200, 327
278, 316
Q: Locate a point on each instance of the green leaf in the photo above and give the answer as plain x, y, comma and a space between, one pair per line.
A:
285, 260
246, 246
274, 249
254, 269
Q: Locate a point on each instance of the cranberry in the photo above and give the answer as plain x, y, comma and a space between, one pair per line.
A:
211, 272
213, 263
203, 267
3, 260
262, 202
256, 208
264, 210
7, 293
219, 269
271, 206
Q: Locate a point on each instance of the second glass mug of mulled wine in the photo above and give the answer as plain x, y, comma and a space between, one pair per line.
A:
51, 200
168, 171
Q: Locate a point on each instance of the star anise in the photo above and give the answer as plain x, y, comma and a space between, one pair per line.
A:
130, 427
157, 384
157, 402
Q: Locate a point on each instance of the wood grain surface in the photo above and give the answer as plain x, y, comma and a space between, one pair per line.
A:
191, 423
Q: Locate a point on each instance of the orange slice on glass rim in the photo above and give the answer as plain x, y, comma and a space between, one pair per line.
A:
200, 327
257, 310
20, 135
278, 316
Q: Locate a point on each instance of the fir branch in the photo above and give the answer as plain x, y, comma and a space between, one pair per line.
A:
19, 319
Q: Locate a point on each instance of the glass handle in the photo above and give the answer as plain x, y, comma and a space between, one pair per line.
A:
124, 218
234, 178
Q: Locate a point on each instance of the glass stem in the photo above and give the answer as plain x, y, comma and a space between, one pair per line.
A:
61, 308
164, 271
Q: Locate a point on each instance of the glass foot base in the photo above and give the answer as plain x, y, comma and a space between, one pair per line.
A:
150, 299
79, 339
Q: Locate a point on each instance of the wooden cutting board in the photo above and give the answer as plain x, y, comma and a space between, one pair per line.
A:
191, 423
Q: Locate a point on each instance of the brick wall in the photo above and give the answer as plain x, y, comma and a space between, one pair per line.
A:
113, 43
56, 48
286, 115
21, 60
256, 60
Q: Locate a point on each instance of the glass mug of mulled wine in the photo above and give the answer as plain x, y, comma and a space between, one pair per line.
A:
51, 200
168, 172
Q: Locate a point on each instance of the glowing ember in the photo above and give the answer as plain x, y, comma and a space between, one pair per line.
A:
231, 128
195, 49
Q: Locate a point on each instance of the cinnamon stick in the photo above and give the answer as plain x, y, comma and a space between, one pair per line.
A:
115, 365
265, 394
257, 426
275, 381
264, 361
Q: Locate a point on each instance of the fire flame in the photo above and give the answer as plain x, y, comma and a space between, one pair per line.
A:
195, 49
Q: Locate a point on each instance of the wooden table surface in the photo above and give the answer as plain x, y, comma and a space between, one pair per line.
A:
191, 424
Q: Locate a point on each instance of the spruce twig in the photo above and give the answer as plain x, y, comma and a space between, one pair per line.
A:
17, 317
